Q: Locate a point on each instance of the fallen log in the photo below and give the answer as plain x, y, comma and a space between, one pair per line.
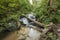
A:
36, 22
46, 30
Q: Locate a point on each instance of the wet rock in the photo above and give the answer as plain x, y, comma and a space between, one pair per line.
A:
21, 37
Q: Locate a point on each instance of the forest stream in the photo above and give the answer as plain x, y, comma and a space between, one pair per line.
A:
24, 34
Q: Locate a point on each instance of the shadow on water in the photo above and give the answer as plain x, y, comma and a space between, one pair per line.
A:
3, 34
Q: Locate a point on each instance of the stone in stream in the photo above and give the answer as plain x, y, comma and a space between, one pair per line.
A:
22, 34
27, 22
12, 25
24, 21
31, 16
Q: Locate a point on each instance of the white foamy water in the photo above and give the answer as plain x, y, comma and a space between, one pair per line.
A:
33, 34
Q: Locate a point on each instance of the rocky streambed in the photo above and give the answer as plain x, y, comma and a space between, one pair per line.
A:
27, 33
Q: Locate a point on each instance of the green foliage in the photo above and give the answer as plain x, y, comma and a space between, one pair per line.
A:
9, 9
51, 36
43, 14
12, 9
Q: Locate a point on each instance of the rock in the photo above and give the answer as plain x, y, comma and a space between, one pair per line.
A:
21, 37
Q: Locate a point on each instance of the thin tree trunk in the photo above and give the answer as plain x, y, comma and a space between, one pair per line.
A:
50, 4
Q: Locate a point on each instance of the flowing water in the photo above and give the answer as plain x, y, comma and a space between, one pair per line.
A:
24, 34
